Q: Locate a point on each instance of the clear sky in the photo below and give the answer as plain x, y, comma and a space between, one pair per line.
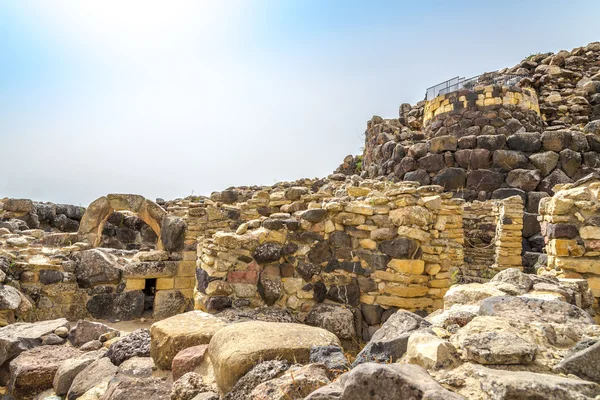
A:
166, 99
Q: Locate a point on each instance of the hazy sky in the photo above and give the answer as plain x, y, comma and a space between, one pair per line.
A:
169, 98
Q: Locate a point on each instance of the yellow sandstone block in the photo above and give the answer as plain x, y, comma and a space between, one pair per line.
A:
401, 302
135, 284
413, 267
186, 268
185, 283
165, 283
406, 291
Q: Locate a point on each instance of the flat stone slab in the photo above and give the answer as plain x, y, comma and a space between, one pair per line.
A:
236, 348
150, 269
171, 335
16, 338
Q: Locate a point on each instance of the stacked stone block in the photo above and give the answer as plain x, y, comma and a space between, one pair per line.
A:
571, 228
378, 244
508, 241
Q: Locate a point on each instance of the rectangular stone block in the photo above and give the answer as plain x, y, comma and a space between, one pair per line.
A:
184, 283
412, 267
401, 302
165, 283
186, 268
135, 284
406, 291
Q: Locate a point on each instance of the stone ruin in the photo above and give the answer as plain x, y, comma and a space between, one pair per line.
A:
467, 234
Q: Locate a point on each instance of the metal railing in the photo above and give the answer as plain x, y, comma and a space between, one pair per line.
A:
458, 83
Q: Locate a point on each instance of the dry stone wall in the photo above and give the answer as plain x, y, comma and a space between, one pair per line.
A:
571, 228
374, 246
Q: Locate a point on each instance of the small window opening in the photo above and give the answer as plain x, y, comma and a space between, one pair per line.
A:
149, 293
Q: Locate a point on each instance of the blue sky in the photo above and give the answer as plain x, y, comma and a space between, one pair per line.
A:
165, 99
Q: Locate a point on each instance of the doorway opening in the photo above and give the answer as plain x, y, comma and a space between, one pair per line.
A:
149, 293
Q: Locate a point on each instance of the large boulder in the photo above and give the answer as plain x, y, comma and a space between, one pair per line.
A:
32, 371
529, 310
85, 331
172, 233
583, 361
296, 383
171, 335
136, 344
524, 179
95, 267
336, 319
10, 298
16, 338
382, 382
112, 306
260, 373
390, 341
127, 388
69, 369
469, 294
236, 348
493, 340
429, 351
187, 360
500, 385
98, 372
545, 162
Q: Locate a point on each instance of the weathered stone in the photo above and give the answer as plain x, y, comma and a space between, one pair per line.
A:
168, 303
384, 381
332, 356
570, 161
469, 294
84, 331
94, 267
489, 340
187, 360
260, 373
430, 352
443, 143
296, 383
505, 193
188, 386
499, 384
451, 178
523, 179
10, 298
508, 160
420, 175
21, 336
527, 142
135, 344
484, 180
556, 140
172, 233
123, 306
401, 248
431, 163
235, 349
314, 215
69, 369
515, 277
130, 388
528, 310
267, 252
491, 142
555, 178
345, 294
582, 361
389, 343
32, 371
336, 319
545, 162
98, 372
171, 335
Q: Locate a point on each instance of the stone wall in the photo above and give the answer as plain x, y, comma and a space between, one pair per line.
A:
571, 228
479, 225
485, 110
377, 245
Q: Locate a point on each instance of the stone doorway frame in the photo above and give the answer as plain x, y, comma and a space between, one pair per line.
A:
95, 216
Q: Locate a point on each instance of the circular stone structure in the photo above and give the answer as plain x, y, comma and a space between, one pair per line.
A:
484, 110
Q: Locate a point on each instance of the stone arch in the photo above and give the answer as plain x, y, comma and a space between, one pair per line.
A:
95, 216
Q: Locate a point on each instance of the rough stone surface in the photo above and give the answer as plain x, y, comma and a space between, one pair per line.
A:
296, 383
582, 363
85, 331
186, 360
98, 372
136, 344
389, 343
171, 335
260, 373
235, 349
16, 338
32, 371
335, 319
382, 382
